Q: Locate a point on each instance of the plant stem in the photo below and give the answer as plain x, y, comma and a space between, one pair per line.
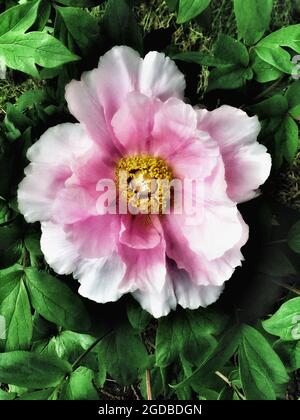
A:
268, 90
230, 384
90, 348
148, 385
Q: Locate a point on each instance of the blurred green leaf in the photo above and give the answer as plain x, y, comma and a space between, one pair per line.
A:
55, 301
188, 9
32, 370
285, 323
18, 19
253, 19
260, 367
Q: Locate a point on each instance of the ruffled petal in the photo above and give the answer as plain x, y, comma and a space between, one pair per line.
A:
201, 270
37, 191
140, 231
133, 123
158, 304
160, 77
96, 236
191, 153
190, 295
101, 278
59, 252
247, 163
52, 157
145, 268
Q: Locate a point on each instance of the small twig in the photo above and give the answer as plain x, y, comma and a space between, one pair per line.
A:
230, 384
285, 286
135, 393
268, 90
148, 385
94, 344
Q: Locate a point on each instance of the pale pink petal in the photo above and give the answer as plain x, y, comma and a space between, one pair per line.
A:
37, 191
96, 236
52, 156
201, 270
247, 163
59, 252
214, 227
140, 231
60, 145
73, 204
160, 303
145, 268
190, 153
190, 295
101, 278
133, 123
160, 77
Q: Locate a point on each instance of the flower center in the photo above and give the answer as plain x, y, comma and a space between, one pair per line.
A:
143, 183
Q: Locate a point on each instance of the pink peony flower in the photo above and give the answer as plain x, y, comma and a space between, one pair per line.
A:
132, 117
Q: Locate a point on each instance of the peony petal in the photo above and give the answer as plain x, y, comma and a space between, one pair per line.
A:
160, 77
96, 236
100, 278
133, 123
145, 268
37, 191
140, 231
202, 271
60, 145
190, 153
59, 252
158, 304
247, 163
190, 295
73, 204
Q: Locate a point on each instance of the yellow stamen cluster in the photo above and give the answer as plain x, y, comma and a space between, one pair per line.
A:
143, 182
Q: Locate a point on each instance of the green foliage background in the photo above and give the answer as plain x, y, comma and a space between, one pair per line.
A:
58, 345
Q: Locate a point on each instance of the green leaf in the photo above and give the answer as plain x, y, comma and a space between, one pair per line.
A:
291, 133
82, 26
274, 106
138, 318
276, 57
172, 4
285, 323
19, 18
55, 301
293, 94
80, 3
285, 37
295, 112
289, 352
7, 395
188, 9
260, 367
294, 237
229, 77
43, 394
123, 354
80, 386
227, 345
23, 52
198, 57
15, 307
32, 370
120, 25
264, 72
253, 19
231, 51
185, 334
10, 245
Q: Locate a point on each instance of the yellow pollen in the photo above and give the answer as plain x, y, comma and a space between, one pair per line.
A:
143, 182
